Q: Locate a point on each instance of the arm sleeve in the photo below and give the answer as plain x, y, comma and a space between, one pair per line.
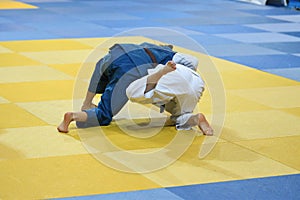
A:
135, 91
186, 60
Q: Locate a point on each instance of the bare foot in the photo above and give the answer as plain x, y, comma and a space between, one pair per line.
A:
64, 125
88, 106
204, 125
167, 45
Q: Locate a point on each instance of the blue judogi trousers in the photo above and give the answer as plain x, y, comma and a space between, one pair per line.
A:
113, 73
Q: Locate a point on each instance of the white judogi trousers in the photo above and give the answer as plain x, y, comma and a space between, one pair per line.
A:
178, 92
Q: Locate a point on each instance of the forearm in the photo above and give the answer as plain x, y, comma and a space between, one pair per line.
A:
89, 97
152, 80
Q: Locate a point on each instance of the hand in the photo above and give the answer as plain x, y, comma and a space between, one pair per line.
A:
169, 67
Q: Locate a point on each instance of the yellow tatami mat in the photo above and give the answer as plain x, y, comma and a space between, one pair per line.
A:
259, 138
8, 4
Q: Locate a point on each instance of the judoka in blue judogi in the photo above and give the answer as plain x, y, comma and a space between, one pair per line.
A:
123, 64
113, 73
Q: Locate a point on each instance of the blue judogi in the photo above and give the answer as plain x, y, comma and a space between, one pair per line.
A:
113, 73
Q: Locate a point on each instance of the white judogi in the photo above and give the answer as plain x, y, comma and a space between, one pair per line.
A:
179, 91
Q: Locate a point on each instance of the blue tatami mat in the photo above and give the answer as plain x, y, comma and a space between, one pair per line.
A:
288, 47
272, 61
280, 187
229, 29
291, 73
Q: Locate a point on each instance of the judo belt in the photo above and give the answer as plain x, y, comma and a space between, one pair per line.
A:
150, 54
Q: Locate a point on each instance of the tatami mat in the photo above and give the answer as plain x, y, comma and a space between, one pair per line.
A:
40, 63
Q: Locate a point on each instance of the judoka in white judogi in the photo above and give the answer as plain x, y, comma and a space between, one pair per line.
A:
177, 92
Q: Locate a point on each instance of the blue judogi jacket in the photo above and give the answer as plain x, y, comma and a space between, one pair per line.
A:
113, 73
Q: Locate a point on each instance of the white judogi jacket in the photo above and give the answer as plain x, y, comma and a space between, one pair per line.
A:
178, 91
